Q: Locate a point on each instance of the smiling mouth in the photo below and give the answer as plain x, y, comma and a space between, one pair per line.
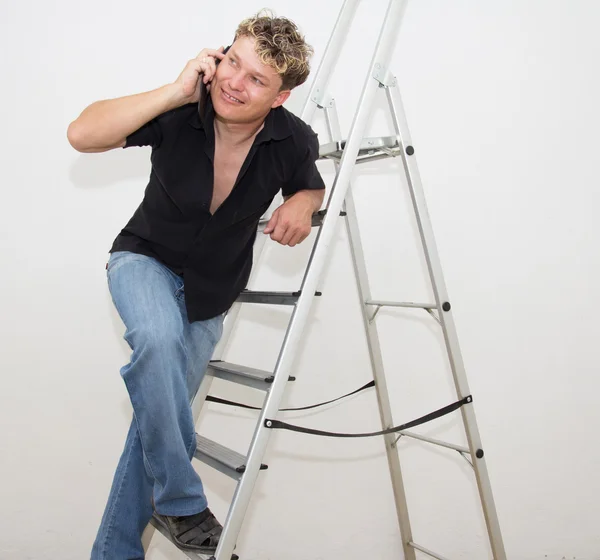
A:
231, 98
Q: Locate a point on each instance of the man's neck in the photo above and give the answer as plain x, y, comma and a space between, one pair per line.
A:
236, 134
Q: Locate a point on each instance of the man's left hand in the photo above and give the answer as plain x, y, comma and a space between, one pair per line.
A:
291, 223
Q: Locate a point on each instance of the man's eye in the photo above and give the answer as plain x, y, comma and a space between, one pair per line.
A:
257, 81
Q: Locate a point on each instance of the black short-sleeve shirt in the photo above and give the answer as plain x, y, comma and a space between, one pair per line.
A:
173, 223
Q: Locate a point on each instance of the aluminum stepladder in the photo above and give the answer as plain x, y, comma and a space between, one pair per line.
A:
346, 154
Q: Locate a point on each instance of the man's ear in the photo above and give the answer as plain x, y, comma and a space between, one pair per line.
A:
281, 98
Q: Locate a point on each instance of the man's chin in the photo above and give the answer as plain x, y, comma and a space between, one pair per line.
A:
230, 115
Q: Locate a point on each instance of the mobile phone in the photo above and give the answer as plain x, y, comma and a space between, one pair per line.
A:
202, 99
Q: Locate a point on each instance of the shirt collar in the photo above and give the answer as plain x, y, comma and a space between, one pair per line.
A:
276, 127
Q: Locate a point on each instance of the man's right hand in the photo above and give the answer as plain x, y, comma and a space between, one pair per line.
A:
106, 124
205, 63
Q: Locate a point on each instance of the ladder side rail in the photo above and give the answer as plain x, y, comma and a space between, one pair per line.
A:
243, 493
446, 320
330, 57
375, 355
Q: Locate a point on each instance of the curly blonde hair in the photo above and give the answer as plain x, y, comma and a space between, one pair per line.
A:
279, 44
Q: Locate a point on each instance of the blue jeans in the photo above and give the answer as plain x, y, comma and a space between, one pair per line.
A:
167, 365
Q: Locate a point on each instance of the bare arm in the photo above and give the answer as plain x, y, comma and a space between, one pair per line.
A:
313, 197
105, 125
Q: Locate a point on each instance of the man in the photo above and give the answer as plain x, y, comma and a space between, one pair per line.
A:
186, 253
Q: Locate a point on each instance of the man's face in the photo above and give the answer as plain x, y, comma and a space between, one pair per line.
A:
253, 85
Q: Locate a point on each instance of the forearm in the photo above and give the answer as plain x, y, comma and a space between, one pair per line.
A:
107, 123
314, 198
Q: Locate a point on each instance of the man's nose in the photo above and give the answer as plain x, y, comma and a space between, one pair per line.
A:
236, 81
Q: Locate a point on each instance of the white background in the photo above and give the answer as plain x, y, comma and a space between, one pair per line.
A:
501, 99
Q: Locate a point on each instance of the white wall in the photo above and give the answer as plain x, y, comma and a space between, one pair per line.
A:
501, 99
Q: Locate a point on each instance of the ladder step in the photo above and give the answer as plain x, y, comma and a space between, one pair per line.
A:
251, 377
273, 298
189, 553
370, 149
317, 219
165, 533
222, 458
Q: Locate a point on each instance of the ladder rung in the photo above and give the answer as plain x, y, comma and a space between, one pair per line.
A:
273, 298
401, 304
370, 149
256, 378
222, 458
459, 448
317, 219
426, 551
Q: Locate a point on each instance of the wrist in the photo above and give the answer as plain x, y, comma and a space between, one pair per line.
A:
173, 96
310, 199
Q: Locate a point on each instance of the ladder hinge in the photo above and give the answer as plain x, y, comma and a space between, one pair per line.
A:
382, 74
322, 99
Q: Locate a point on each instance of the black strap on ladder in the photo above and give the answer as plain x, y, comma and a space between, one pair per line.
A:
279, 425
233, 403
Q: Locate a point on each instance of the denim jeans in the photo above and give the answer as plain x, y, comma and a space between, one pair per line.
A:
167, 365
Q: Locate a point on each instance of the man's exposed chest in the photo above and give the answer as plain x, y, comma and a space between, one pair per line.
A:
187, 170
228, 162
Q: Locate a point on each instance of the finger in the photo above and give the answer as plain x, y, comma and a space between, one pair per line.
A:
279, 233
300, 237
208, 69
294, 240
212, 61
217, 53
207, 74
202, 64
213, 68
272, 224
290, 233
204, 69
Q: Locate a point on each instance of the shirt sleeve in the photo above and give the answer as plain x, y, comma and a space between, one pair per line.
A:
149, 134
307, 175
153, 132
